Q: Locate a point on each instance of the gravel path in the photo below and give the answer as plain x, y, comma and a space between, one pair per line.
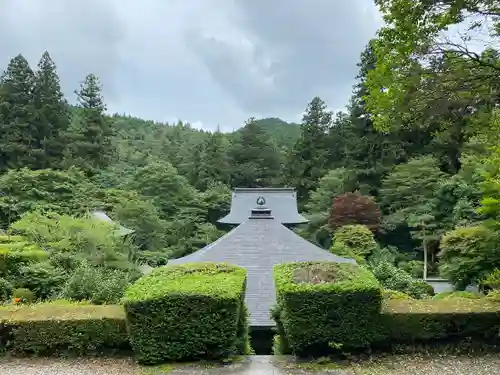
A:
260, 365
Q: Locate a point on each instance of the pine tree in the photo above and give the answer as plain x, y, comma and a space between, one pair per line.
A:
92, 146
52, 118
254, 157
19, 146
215, 164
308, 160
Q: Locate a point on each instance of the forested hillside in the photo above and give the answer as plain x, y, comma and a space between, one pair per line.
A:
414, 157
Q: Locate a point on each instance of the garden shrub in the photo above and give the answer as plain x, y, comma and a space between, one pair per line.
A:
11, 261
152, 258
414, 267
468, 255
321, 304
358, 238
394, 278
42, 278
25, 295
186, 311
62, 327
395, 294
492, 281
457, 294
5, 289
414, 321
96, 284
420, 289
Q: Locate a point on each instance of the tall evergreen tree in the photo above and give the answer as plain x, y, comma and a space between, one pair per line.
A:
254, 158
92, 146
18, 136
308, 160
215, 164
52, 115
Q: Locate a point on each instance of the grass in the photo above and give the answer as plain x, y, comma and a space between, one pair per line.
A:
60, 310
205, 279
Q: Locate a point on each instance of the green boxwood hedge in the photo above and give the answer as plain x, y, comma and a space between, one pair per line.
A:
186, 312
62, 327
412, 321
322, 304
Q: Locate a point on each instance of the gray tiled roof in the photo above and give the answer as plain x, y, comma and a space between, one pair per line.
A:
258, 245
282, 202
120, 231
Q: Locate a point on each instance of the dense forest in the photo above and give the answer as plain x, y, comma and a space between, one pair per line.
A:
414, 158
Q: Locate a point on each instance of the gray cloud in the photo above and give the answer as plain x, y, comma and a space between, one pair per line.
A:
215, 62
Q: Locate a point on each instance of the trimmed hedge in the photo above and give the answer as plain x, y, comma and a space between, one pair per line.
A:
322, 304
12, 260
411, 321
186, 312
62, 327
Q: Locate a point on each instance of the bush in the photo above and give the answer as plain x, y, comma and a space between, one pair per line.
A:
492, 281
394, 278
11, 261
61, 327
26, 295
358, 238
342, 300
95, 284
41, 278
430, 320
5, 289
187, 311
394, 294
152, 258
414, 267
457, 294
420, 289
468, 255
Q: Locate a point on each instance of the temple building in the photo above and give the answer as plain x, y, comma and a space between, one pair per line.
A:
260, 240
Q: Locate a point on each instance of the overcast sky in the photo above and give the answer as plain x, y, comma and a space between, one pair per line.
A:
208, 62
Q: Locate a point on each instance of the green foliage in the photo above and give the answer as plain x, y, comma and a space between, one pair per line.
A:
420, 289
16, 115
389, 294
12, 261
343, 300
358, 238
394, 278
5, 289
414, 267
492, 280
144, 219
85, 238
468, 255
408, 188
336, 182
25, 190
61, 327
255, 157
91, 133
308, 158
42, 278
95, 284
208, 296
25, 295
